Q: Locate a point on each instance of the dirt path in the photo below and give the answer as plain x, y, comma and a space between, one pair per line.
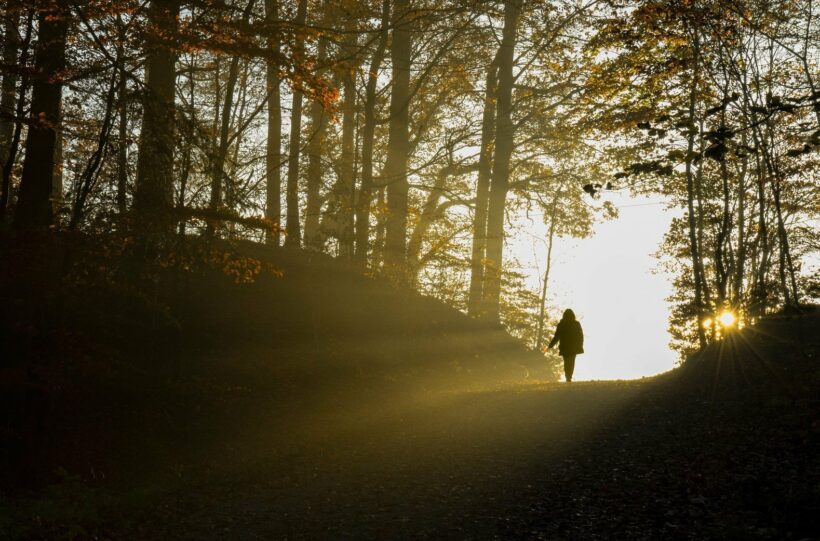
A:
608, 460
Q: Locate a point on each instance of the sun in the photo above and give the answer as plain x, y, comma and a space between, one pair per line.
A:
727, 319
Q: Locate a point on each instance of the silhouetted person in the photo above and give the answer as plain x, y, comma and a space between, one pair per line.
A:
570, 339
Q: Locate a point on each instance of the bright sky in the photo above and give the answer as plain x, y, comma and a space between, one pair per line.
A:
613, 284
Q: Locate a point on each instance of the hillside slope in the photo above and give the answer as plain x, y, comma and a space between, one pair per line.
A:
344, 321
108, 381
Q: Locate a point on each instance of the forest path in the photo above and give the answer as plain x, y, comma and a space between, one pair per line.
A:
587, 460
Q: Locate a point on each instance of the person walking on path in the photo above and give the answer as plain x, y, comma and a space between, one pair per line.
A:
570, 339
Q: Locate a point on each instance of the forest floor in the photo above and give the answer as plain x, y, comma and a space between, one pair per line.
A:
322, 405
669, 457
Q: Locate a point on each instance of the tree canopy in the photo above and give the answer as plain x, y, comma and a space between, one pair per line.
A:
404, 135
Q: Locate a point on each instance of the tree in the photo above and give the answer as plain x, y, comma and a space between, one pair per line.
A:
153, 202
34, 209
394, 175
293, 237
499, 184
11, 106
317, 141
8, 92
368, 140
479, 253
273, 146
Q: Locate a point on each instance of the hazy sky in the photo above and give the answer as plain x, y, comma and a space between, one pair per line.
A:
613, 284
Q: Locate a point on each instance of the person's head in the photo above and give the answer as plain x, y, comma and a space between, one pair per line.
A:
569, 315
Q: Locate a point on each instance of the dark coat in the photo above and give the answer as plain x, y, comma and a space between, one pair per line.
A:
570, 337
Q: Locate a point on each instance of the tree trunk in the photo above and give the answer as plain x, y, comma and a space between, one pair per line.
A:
694, 246
220, 182
347, 180
428, 215
273, 149
758, 294
381, 219
785, 257
539, 337
8, 92
504, 135
722, 253
221, 149
368, 137
398, 145
56, 198
807, 68
740, 266
34, 206
153, 199
88, 177
122, 137
477, 258
700, 213
14, 144
759, 297
764, 141
187, 153
293, 238
315, 150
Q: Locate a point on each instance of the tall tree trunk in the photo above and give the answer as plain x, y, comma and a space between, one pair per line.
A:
740, 266
187, 153
784, 255
765, 142
8, 91
694, 246
273, 149
34, 206
786, 265
184, 176
221, 148
122, 138
347, 180
398, 145
700, 212
722, 252
504, 144
14, 144
381, 220
153, 199
88, 178
368, 138
218, 177
56, 198
804, 61
758, 294
232, 187
293, 237
485, 158
539, 336
315, 149
429, 213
